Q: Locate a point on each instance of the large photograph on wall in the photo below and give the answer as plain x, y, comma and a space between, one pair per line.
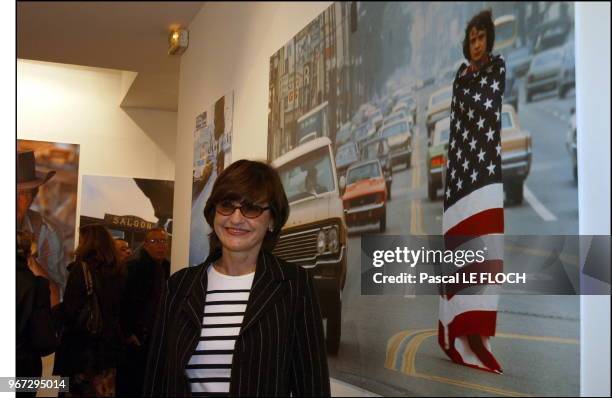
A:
128, 207
359, 128
47, 178
212, 142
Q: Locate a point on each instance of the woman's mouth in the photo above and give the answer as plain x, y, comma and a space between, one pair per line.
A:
236, 231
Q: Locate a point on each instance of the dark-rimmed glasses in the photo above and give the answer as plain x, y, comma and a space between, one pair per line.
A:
249, 210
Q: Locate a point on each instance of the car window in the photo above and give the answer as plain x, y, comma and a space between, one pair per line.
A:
375, 150
442, 136
363, 172
308, 174
506, 120
395, 129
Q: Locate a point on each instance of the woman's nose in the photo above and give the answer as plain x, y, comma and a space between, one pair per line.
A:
236, 216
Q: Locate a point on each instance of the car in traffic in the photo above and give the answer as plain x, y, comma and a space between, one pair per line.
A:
399, 138
571, 143
346, 155
436, 157
546, 67
344, 134
315, 235
515, 153
363, 132
438, 108
568, 74
378, 148
365, 196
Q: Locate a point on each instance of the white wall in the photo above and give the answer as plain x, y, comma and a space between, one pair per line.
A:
593, 135
80, 105
230, 45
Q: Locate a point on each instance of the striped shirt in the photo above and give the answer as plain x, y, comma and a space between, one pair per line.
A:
209, 368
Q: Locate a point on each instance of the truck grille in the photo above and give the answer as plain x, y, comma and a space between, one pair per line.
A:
297, 245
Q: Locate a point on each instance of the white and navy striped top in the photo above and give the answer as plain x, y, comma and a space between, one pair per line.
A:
209, 368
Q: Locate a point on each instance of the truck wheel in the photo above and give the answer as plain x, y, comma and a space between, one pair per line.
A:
383, 220
389, 191
334, 324
409, 161
432, 193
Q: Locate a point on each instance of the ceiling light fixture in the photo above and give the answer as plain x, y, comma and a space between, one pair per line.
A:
178, 41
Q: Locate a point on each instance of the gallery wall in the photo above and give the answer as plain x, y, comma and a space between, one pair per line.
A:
81, 105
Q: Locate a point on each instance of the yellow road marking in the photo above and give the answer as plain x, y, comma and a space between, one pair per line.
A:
409, 358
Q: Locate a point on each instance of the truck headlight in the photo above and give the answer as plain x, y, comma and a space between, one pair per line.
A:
332, 240
321, 242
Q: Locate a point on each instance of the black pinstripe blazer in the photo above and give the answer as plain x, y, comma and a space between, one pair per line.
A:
280, 348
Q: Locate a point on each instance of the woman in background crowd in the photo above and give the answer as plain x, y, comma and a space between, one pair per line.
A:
89, 350
35, 331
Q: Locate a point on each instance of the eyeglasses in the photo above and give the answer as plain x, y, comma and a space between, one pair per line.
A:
249, 210
153, 241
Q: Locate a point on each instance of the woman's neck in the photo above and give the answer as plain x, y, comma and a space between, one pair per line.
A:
477, 65
237, 263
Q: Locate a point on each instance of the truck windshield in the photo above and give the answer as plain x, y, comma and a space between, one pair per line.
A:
308, 175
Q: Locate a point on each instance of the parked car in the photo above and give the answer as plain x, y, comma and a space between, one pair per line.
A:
517, 61
315, 235
378, 148
571, 143
438, 108
436, 157
568, 74
365, 195
515, 153
400, 141
346, 155
376, 118
546, 68
406, 105
505, 43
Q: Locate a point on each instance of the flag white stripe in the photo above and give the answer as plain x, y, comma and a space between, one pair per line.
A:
459, 304
485, 198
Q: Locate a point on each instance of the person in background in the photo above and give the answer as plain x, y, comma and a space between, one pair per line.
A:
90, 358
146, 276
123, 250
47, 250
244, 322
35, 335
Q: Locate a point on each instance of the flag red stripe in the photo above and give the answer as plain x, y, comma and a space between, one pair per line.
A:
486, 222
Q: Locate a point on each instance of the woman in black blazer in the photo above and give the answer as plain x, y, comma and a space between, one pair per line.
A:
244, 322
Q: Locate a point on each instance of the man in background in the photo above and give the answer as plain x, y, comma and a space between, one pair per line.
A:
147, 273
47, 250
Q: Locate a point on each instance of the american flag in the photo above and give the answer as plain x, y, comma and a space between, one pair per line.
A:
473, 210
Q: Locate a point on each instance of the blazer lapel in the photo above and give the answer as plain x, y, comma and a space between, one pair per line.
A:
268, 286
195, 295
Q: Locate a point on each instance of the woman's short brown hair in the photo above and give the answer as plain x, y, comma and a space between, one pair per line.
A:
481, 21
253, 181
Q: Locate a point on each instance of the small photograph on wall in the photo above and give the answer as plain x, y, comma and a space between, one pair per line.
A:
47, 178
128, 207
212, 141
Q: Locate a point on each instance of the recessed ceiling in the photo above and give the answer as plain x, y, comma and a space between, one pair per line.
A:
130, 36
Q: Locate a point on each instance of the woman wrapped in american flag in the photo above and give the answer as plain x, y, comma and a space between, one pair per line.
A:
473, 195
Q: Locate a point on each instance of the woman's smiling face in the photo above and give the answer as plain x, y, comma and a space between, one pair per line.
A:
240, 234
